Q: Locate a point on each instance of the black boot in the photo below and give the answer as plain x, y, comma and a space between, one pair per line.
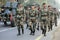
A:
44, 30
31, 33
48, 28
18, 33
22, 29
51, 26
38, 28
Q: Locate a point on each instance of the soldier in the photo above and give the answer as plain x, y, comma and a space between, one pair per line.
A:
32, 18
55, 16
27, 16
39, 13
20, 18
50, 18
43, 19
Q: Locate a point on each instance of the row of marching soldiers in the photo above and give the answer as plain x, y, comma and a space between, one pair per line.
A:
35, 18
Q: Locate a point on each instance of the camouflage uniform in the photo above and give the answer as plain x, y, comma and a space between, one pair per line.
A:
20, 20
44, 20
39, 18
50, 19
32, 20
55, 17
27, 17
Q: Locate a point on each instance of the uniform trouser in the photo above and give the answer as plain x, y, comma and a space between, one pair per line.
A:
44, 26
27, 25
55, 21
33, 28
44, 30
27, 22
50, 25
19, 28
38, 24
32, 25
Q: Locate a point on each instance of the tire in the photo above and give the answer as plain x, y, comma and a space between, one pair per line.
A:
5, 23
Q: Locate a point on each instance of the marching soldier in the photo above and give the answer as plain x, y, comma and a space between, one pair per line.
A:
32, 17
20, 18
55, 16
27, 16
50, 18
39, 15
44, 20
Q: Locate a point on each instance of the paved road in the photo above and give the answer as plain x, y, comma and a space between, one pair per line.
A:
56, 34
11, 34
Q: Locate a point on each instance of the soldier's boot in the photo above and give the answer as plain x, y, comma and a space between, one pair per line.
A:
22, 29
30, 30
33, 32
18, 32
38, 27
51, 25
56, 23
48, 28
27, 26
34, 26
44, 30
41, 28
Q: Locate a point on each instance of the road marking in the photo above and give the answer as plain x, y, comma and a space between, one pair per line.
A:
39, 38
7, 29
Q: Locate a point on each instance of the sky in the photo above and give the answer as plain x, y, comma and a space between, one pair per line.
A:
58, 1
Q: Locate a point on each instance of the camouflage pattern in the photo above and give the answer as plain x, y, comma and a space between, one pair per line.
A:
44, 20
50, 19
33, 15
20, 19
55, 16
27, 17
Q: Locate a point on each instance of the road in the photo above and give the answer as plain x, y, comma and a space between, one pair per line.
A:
56, 34
10, 33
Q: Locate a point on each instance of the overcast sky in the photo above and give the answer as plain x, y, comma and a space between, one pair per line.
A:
58, 1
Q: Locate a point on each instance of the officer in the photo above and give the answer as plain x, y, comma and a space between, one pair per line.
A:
50, 18
32, 16
44, 20
20, 18
55, 16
